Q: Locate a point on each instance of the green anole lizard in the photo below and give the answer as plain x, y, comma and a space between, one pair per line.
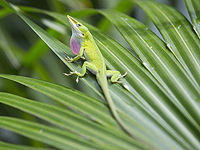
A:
83, 44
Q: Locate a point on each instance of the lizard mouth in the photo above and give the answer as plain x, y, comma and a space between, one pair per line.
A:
73, 24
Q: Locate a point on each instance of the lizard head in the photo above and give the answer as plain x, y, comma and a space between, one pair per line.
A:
79, 33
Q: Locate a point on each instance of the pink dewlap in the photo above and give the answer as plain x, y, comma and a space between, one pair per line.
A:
75, 46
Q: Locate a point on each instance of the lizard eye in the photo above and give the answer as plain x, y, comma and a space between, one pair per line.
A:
78, 25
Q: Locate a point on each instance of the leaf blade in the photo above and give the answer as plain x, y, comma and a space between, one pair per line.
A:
178, 34
193, 8
121, 21
104, 137
51, 136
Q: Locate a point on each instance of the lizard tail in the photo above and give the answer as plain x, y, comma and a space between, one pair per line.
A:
102, 80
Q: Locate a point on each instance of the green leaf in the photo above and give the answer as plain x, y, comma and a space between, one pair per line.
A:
51, 136
193, 7
5, 5
4, 13
122, 6
8, 51
165, 69
9, 146
179, 36
93, 108
72, 121
37, 50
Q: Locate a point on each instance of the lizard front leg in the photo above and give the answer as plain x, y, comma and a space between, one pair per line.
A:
80, 55
83, 71
74, 59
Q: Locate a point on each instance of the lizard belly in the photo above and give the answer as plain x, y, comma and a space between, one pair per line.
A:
94, 57
96, 65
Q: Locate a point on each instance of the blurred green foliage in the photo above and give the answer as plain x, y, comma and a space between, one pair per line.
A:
17, 42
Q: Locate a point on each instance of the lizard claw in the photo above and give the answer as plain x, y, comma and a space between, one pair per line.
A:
77, 79
120, 82
69, 60
83, 58
70, 73
121, 76
66, 74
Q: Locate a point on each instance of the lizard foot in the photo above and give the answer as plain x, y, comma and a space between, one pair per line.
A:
69, 59
120, 76
75, 72
71, 73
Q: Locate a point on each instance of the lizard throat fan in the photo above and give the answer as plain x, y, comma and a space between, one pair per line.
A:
75, 45
75, 42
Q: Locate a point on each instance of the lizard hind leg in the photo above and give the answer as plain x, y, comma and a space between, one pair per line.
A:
115, 75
